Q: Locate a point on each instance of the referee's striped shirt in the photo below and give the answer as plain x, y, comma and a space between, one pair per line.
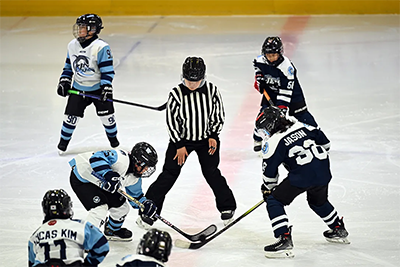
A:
194, 115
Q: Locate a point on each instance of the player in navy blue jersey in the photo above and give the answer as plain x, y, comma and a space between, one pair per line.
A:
88, 68
63, 241
153, 250
303, 150
276, 75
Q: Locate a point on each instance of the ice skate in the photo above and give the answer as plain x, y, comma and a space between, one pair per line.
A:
113, 141
62, 146
144, 222
338, 234
227, 216
122, 234
281, 248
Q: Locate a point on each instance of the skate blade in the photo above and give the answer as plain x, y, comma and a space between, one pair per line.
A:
340, 240
282, 254
119, 239
60, 152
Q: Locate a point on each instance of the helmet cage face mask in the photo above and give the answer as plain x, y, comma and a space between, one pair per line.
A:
273, 45
91, 22
145, 156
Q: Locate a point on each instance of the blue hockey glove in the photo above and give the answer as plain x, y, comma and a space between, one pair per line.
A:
63, 86
150, 209
111, 182
106, 92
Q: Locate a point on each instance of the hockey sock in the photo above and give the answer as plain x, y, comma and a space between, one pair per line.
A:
110, 125
68, 126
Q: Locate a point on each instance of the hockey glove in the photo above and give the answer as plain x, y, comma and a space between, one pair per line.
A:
111, 182
106, 92
259, 84
266, 192
63, 86
150, 209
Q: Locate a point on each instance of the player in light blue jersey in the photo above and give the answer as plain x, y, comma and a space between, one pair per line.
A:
61, 240
88, 68
96, 178
303, 150
153, 250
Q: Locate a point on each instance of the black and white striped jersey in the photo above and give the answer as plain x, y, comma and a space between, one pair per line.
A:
194, 115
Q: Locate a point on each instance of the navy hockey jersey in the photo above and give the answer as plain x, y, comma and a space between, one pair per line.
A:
282, 83
303, 149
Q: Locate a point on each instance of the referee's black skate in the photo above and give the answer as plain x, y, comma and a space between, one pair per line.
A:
281, 248
338, 234
122, 234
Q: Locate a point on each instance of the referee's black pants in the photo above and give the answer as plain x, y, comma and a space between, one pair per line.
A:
209, 166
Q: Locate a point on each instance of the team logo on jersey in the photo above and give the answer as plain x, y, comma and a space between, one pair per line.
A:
265, 148
290, 70
81, 66
96, 199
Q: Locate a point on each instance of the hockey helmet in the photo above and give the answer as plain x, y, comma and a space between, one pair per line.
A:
193, 69
144, 155
271, 120
155, 243
273, 45
57, 204
92, 22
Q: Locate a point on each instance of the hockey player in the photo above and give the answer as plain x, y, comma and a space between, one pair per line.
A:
88, 68
61, 240
153, 250
303, 150
195, 117
277, 75
96, 177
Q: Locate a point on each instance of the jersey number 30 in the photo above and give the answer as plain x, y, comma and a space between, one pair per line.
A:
305, 154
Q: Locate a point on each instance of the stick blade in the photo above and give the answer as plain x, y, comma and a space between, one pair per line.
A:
204, 234
181, 244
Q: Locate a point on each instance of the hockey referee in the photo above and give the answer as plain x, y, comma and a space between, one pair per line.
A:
195, 117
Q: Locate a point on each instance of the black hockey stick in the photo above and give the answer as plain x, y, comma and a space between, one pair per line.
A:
184, 244
196, 237
160, 108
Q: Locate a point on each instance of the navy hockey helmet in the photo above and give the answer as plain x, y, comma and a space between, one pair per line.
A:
57, 204
272, 45
92, 22
155, 243
272, 120
144, 155
193, 69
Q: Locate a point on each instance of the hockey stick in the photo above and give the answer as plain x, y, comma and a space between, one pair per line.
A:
160, 108
196, 237
184, 244
268, 98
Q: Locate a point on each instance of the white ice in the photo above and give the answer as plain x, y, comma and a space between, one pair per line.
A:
348, 67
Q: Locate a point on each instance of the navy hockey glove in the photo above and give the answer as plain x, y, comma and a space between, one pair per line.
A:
260, 84
111, 182
266, 192
106, 92
150, 209
63, 86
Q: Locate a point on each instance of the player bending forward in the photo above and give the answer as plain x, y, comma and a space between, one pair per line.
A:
97, 176
154, 249
303, 150
61, 240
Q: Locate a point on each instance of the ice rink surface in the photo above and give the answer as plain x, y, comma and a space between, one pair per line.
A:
348, 67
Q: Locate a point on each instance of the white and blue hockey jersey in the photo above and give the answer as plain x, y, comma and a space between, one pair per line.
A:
67, 239
90, 66
93, 166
